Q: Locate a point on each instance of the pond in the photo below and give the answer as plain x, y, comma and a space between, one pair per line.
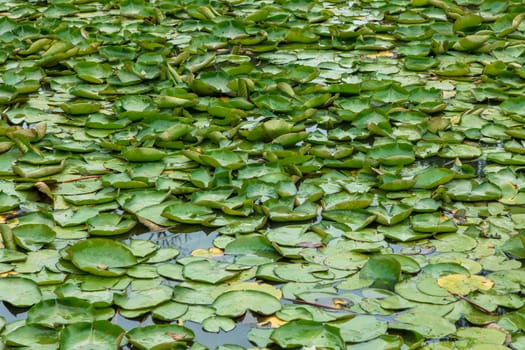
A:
270, 174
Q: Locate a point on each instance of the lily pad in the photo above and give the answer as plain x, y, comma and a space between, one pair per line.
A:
100, 334
32, 336
360, 328
103, 257
433, 223
385, 271
108, 224
208, 271
189, 213
307, 333
159, 337
27, 291
33, 236
54, 312
142, 299
237, 302
393, 153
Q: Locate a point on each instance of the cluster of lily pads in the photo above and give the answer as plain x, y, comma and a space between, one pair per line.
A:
359, 164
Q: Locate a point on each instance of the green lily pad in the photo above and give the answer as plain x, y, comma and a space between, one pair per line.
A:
93, 72
32, 336
108, 224
307, 333
135, 107
103, 257
105, 122
157, 337
7, 93
470, 190
393, 153
273, 102
189, 213
143, 154
115, 53
8, 202
514, 105
33, 236
208, 271
80, 107
432, 223
424, 322
355, 219
420, 64
225, 159
343, 200
385, 271
27, 291
391, 214
215, 324
360, 328
54, 312
169, 311
433, 177
102, 335
99, 298
460, 151
142, 299
238, 302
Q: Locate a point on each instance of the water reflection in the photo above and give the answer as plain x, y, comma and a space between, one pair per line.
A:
11, 313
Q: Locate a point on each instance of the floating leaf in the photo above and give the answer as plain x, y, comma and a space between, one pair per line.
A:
385, 271
393, 153
100, 334
27, 291
142, 299
433, 177
8, 202
107, 224
432, 223
33, 236
162, 336
32, 336
189, 213
307, 333
360, 328
208, 271
216, 324
235, 303
93, 72
54, 312
103, 257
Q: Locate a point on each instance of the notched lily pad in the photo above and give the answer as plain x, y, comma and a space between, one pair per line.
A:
54, 312
305, 333
100, 256
432, 223
393, 153
108, 224
19, 292
189, 213
33, 236
163, 336
102, 335
93, 72
237, 302
208, 271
